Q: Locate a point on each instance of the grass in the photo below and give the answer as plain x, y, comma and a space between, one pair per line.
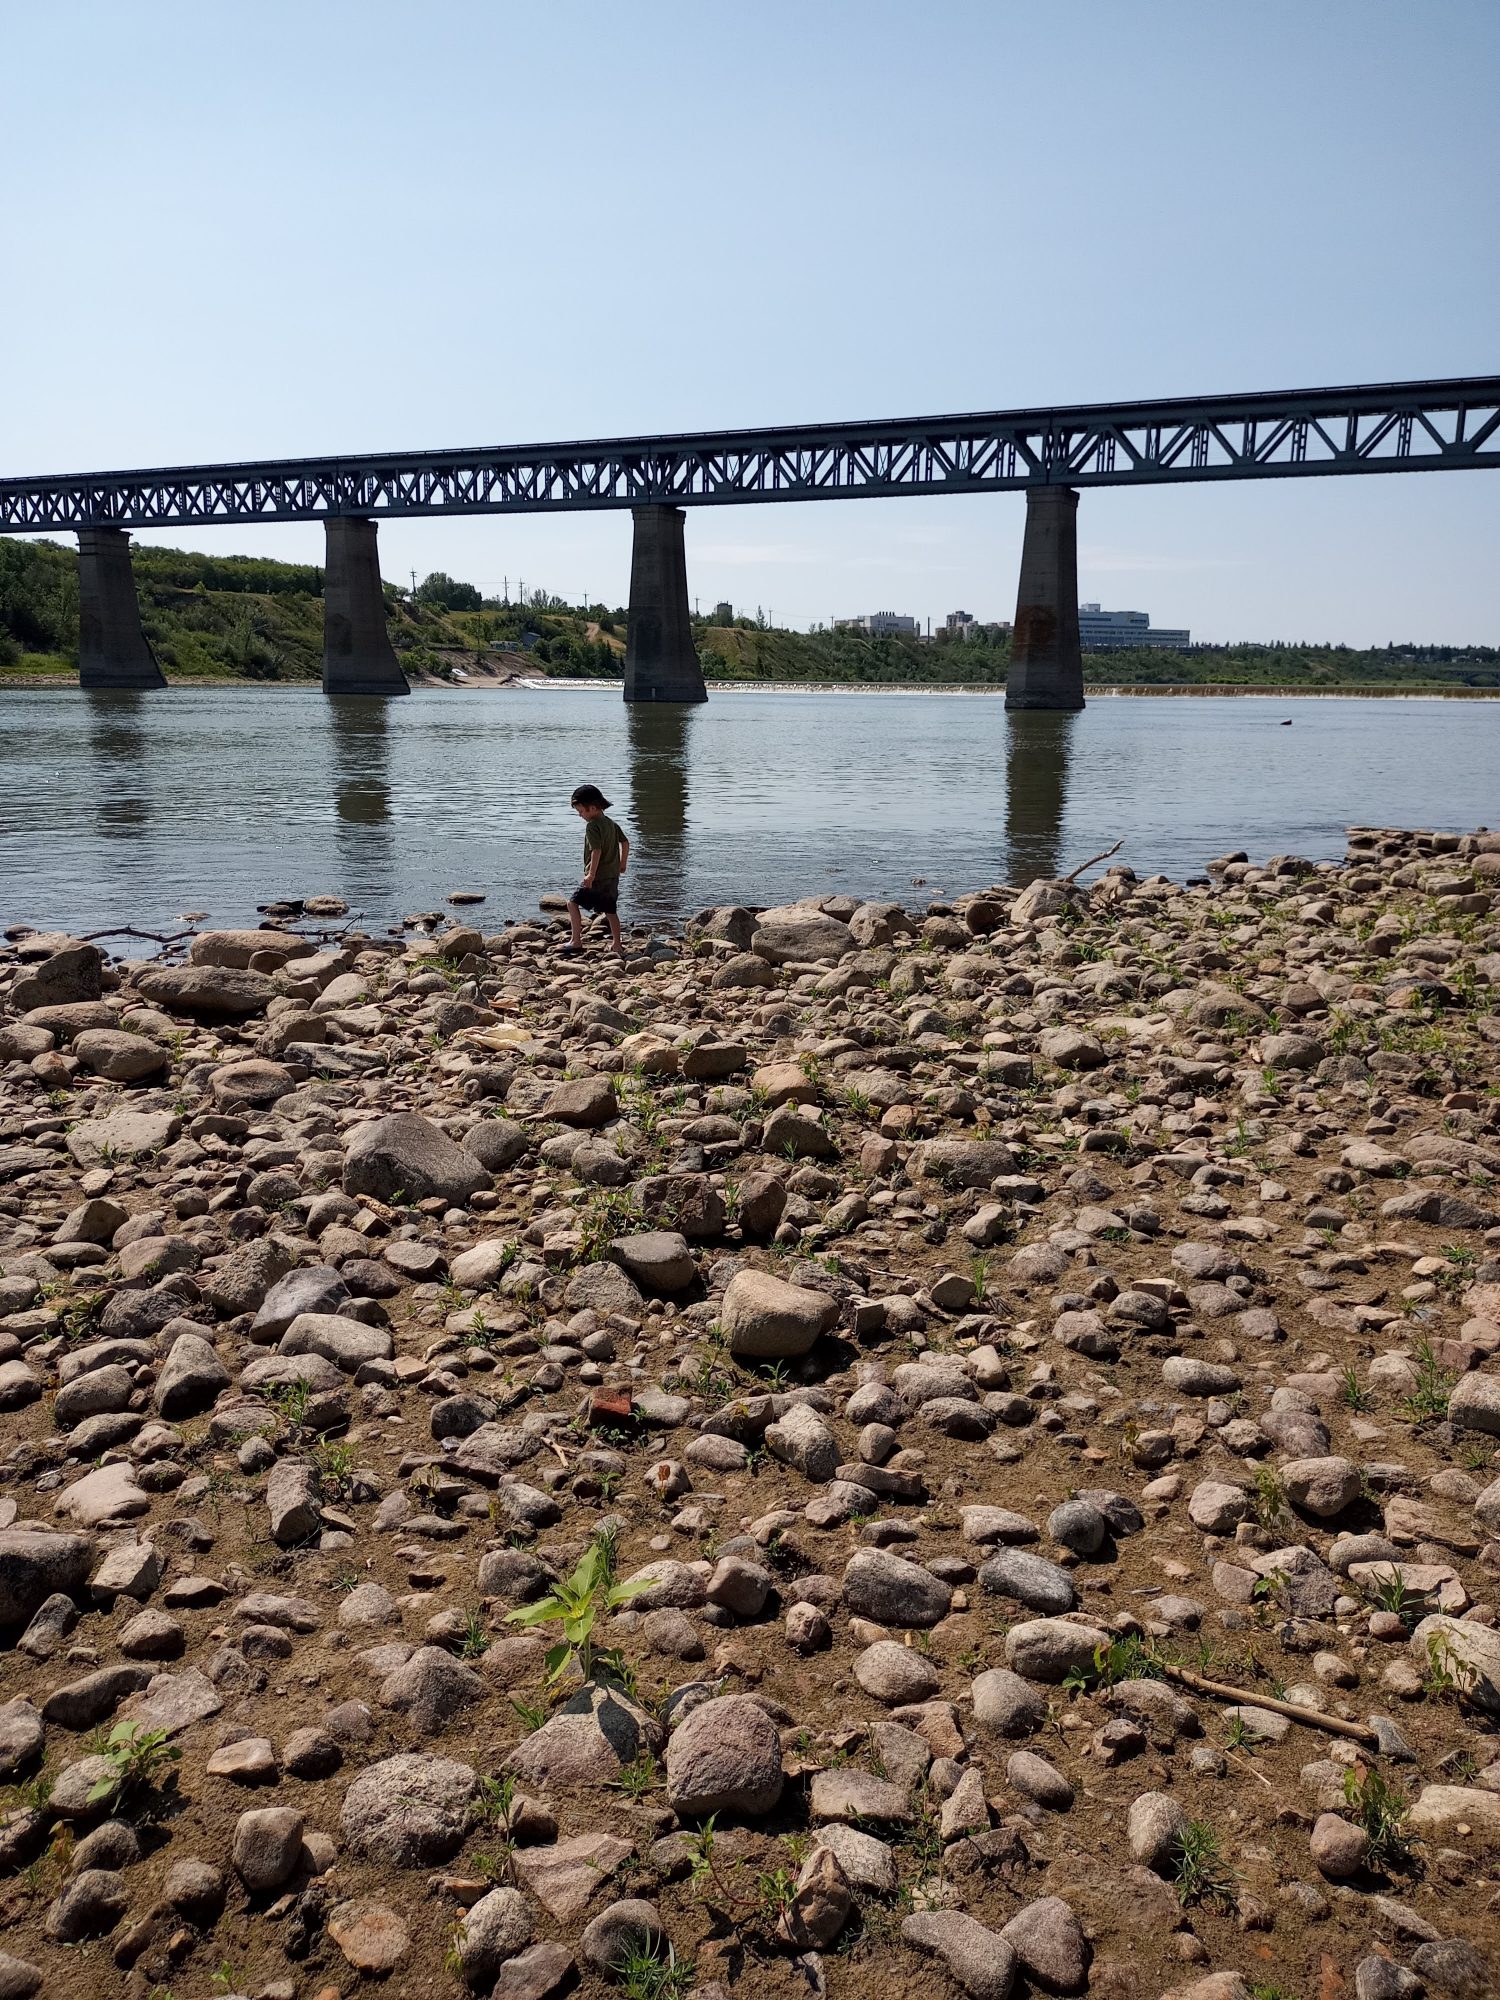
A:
1198, 1866
1428, 1401
1381, 1810
1130, 1658
644, 1974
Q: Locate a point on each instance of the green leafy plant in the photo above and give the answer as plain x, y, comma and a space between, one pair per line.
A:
1381, 1810
1447, 1676
1130, 1658
639, 1778
1270, 1496
140, 1763
644, 1974
575, 1604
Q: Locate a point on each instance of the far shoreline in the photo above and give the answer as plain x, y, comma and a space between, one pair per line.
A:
1093, 691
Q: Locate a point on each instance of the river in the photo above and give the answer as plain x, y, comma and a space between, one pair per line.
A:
133, 808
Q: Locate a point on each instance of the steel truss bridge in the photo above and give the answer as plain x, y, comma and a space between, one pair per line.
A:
1438, 426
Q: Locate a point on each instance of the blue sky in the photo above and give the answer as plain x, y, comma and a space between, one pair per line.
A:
249, 230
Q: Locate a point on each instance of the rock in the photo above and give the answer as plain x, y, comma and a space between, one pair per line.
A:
120, 1137
408, 1811
207, 992
894, 1674
1468, 1653
866, 1862
82, 1703
534, 1974
1034, 1778
292, 1501
1376, 1978
1321, 1487
725, 1756
766, 1319
19, 1387
1007, 1704
658, 1260
249, 1760
120, 1057
892, 1591
802, 938
802, 1440
566, 1876
1048, 1940
1475, 1403
1047, 1649
107, 1495
632, 1924
315, 1288
851, 1794
407, 1155
1338, 1847
74, 972
21, 1735
1441, 1810
1029, 1580
1070, 1049
494, 1929
1153, 1828
267, 1843
980, 1960
1217, 1508
90, 1906
174, 1701
36, 1564
19, 1979
431, 1689
1452, 1965
587, 1742
740, 1587
191, 1380
371, 1936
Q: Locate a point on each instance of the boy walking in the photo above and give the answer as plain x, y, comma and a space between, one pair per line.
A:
605, 853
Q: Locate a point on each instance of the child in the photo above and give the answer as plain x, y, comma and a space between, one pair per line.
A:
605, 853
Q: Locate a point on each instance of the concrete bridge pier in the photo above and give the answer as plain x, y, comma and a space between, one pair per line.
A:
1046, 660
661, 661
358, 657
112, 648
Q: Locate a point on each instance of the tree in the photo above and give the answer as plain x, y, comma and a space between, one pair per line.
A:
440, 588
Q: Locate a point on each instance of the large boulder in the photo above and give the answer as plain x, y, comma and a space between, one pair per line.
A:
207, 992
36, 1564
72, 973
724, 1757
237, 948
766, 1319
801, 936
407, 1155
890, 1590
409, 1811
587, 1742
1468, 1654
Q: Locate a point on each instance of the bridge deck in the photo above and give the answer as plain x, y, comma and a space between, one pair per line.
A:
1385, 427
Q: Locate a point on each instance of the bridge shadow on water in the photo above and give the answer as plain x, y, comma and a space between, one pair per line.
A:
1038, 744
659, 737
119, 740
362, 791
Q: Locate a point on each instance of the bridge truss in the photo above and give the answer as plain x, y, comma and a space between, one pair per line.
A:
1393, 427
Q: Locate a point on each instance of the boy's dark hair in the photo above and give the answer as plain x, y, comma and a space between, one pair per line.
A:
589, 795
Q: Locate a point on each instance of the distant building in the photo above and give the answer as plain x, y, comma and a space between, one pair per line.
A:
723, 614
880, 625
960, 624
1108, 631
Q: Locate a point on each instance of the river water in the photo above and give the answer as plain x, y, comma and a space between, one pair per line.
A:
133, 808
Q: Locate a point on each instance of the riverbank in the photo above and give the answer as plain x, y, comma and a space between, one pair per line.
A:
1031, 1358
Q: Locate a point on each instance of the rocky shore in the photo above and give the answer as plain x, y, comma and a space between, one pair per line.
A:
1004, 1395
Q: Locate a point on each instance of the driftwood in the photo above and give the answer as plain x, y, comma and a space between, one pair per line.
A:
1313, 1717
129, 930
1092, 862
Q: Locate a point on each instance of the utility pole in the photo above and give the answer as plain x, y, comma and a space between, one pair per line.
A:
414, 583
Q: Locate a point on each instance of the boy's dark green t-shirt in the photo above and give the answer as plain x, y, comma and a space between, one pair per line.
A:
602, 837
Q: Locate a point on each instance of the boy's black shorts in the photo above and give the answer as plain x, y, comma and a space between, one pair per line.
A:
601, 899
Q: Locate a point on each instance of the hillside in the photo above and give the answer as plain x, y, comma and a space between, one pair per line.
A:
237, 618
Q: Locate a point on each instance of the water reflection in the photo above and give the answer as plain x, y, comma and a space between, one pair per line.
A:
118, 738
1037, 744
659, 735
362, 789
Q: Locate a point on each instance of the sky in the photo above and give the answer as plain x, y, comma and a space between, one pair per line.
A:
270, 228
